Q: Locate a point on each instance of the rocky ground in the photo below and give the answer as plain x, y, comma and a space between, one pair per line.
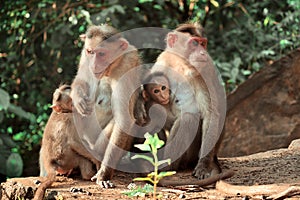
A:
268, 175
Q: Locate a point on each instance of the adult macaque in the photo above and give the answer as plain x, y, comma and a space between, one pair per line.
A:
200, 99
62, 150
106, 55
156, 90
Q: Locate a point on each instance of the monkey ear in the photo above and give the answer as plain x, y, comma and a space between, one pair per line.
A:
82, 37
171, 39
145, 95
56, 108
123, 44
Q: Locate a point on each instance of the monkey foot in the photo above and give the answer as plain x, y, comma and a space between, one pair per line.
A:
206, 172
103, 184
106, 184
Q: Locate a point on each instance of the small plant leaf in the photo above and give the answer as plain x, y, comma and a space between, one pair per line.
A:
150, 175
143, 157
157, 142
154, 141
143, 179
143, 147
168, 161
139, 191
164, 174
147, 135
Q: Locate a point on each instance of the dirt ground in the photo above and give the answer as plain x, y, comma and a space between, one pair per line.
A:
268, 175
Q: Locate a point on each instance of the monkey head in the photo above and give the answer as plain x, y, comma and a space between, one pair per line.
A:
188, 42
103, 47
62, 102
157, 89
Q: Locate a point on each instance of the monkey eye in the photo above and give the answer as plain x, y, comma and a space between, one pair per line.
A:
204, 43
101, 54
156, 91
195, 42
163, 87
199, 40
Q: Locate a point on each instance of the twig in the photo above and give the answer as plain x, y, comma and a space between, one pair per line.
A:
291, 191
281, 191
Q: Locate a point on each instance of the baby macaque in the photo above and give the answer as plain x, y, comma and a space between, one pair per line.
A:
155, 90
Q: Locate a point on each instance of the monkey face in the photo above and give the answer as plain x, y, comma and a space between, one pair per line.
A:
103, 55
159, 91
197, 50
160, 94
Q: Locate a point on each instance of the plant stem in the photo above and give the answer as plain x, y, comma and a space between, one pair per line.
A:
155, 173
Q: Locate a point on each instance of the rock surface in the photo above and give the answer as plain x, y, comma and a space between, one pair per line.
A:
263, 113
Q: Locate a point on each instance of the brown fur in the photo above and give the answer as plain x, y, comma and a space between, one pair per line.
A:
203, 103
123, 58
62, 150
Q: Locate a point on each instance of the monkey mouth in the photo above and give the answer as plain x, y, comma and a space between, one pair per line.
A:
165, 102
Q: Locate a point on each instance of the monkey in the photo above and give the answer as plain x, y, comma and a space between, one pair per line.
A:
62, 150
155, 89
106, 54
199, 98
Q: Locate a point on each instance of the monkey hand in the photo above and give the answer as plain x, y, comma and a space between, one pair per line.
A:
83, 105
204, 169
102, 179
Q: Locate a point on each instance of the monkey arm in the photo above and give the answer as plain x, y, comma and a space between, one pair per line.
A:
81, 96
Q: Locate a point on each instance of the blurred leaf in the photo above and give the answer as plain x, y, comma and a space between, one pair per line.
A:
7, 141
4, 100
21, 113
284, 43
1, 116
215, 3
14, 165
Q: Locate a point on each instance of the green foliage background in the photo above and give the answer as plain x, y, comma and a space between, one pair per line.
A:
40, 46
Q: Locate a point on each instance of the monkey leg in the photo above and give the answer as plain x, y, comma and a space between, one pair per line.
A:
82, 151
181, 138
86, 168
43, 171
207, 166
119, 142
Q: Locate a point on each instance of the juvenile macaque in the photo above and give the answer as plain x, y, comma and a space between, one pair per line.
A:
107, 55
62, 150
200, 98
155, 90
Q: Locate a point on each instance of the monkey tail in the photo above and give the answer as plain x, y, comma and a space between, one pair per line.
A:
201, 183
39, 194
